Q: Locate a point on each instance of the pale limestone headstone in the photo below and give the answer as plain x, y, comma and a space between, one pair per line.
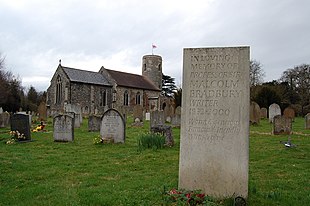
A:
63, 128
263, 113
274, 110
177, 110
307, 121
157, 118
94, 122
282, 125
176, 120
1, 110
147, 116
289, 113
112, 126
254, 113
214, 147
20, 123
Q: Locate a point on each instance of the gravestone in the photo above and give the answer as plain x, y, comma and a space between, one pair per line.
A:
63, 128
138, 112
20, 123
1, 110
178, 110
254, 113
112, 127
77, 110
165, 131
147, 116
94, 122
214, 147
282, 125
4, 120
42, 110
176, 120
307, 121
157, 118
263, 113
274, 110
289, 113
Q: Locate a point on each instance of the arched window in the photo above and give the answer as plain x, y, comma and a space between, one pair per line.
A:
58, 90
126, 97
138, 98
103, 98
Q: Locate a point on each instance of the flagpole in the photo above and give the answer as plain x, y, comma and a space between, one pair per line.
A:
152, 49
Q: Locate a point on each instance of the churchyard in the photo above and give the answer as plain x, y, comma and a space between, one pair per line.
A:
44, 172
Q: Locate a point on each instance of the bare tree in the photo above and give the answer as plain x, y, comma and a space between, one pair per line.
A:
257, 73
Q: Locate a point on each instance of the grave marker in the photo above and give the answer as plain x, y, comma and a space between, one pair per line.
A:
289, 113
254, 113
63, 128
112, 126
94, 122
307, 121
282, 125
263, 113
274, 110
20, 123
157, 118
214, 147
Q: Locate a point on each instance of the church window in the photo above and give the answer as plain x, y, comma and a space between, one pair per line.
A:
126, 98
103, 98
58, 90
138, 98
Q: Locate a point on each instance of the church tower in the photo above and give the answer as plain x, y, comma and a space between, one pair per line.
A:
152, 69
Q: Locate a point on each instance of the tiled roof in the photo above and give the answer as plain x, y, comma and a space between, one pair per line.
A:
132, 80
78, 75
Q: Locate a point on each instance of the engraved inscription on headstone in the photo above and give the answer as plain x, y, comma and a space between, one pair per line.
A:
20, 123
112, 126
157, 118
214, 147
63, 128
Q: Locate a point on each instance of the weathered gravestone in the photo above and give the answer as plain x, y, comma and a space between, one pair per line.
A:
307, 121
157, 118
263, 113
77, 110
289, 113
214, 147
254, 113
112, 127
165, 131
94, 122
138, 112
42, 110
4, 120
1, 110
147, 116
176, 119
63, 128
274, 110
282, 125
20, 123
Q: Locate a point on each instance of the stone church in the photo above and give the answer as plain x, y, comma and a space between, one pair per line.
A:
95, 92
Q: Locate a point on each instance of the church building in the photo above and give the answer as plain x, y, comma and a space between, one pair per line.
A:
95, 92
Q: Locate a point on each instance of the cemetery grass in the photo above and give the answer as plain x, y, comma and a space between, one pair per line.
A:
43, 172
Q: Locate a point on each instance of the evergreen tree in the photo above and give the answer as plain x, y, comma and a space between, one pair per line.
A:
168, 86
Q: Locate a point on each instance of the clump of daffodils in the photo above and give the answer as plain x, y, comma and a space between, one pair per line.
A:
97, 140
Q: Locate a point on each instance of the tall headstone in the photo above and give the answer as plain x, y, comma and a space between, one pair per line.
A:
289, 113
214, 147
254, 113
274, 110
282, 125
138, 112
1, 110
42, 109
112, 126
157, 118
4, 120
63, 128
263, 113
20, 123
94, 122
307, 121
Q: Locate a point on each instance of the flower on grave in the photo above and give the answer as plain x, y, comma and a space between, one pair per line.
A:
195, 197
98, 140
15, 136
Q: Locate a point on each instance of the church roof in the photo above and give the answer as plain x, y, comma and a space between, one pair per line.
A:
89, 77
132, 80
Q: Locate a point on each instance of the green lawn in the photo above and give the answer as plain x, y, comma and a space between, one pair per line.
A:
44, 172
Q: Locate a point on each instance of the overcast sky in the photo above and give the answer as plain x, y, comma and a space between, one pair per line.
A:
35, 34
